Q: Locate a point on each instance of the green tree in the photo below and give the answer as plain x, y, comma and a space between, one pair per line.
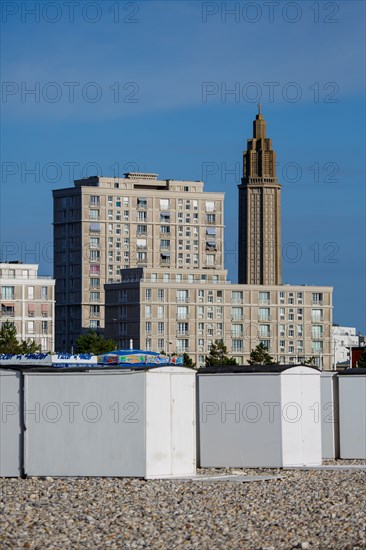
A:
10, 344
188, 361
361, 363
260, 356
8, 339
218, 355
92, 342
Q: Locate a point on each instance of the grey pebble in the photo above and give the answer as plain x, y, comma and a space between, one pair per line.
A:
302, 510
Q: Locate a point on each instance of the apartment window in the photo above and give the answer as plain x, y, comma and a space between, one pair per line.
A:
30, 293
94, 214
142, 202
148, 294
147, 312
141, 230
141, 243
317, 347
148, 344
236, 330
148, 327
141, 257
160, 294
30, 327
141, 216
95, 296
125, 202
166, 277
44, 327
300, 329
237, 313
160, 344
300, 345
182, 329
291, 298
94, 242
266, 344
317, 297
210, 206
182, 312
110, 200
94, 324
125, 215
165, 217
164, 204
237, 345
94, 227
94, 200
182, 345
290, 314
264, 314
7, 292
165, 229
264, 331
211, 218
291, 331
282, 345
94, 269
237, 297
154, 277
281, 330
281, 296
94, 256
160, 312
179, 277
94, 282
94, 311
264, 297
317, 314
210, 259
317, 332
160, 327
182, 295
165, 244
299, 297
126, 257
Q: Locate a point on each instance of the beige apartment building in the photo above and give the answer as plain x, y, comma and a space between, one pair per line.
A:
186, 311
103, 226
27, 301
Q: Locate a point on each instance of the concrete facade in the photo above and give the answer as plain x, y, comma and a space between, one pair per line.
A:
259, 211
173, 310
28, 301
104, 225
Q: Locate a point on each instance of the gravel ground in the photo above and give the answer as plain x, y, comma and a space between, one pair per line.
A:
304, 509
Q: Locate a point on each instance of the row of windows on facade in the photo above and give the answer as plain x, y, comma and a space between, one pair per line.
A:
9, 273
237, 346
236, 330
33, 327
236, 296
8, 292
142, 216
142, 243
143, 202
141, 229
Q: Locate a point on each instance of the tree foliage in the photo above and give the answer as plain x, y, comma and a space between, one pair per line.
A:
361, 363
10, 344
219, 355
188, 361
260, 356
92, 342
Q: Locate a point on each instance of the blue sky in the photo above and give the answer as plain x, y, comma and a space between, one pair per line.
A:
146, 85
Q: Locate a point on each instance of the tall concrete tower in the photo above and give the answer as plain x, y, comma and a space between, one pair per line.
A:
259, 211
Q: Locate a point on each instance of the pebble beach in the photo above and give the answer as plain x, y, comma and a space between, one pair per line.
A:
303, 509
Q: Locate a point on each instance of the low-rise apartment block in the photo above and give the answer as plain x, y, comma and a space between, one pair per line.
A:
27, 301
177, 311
